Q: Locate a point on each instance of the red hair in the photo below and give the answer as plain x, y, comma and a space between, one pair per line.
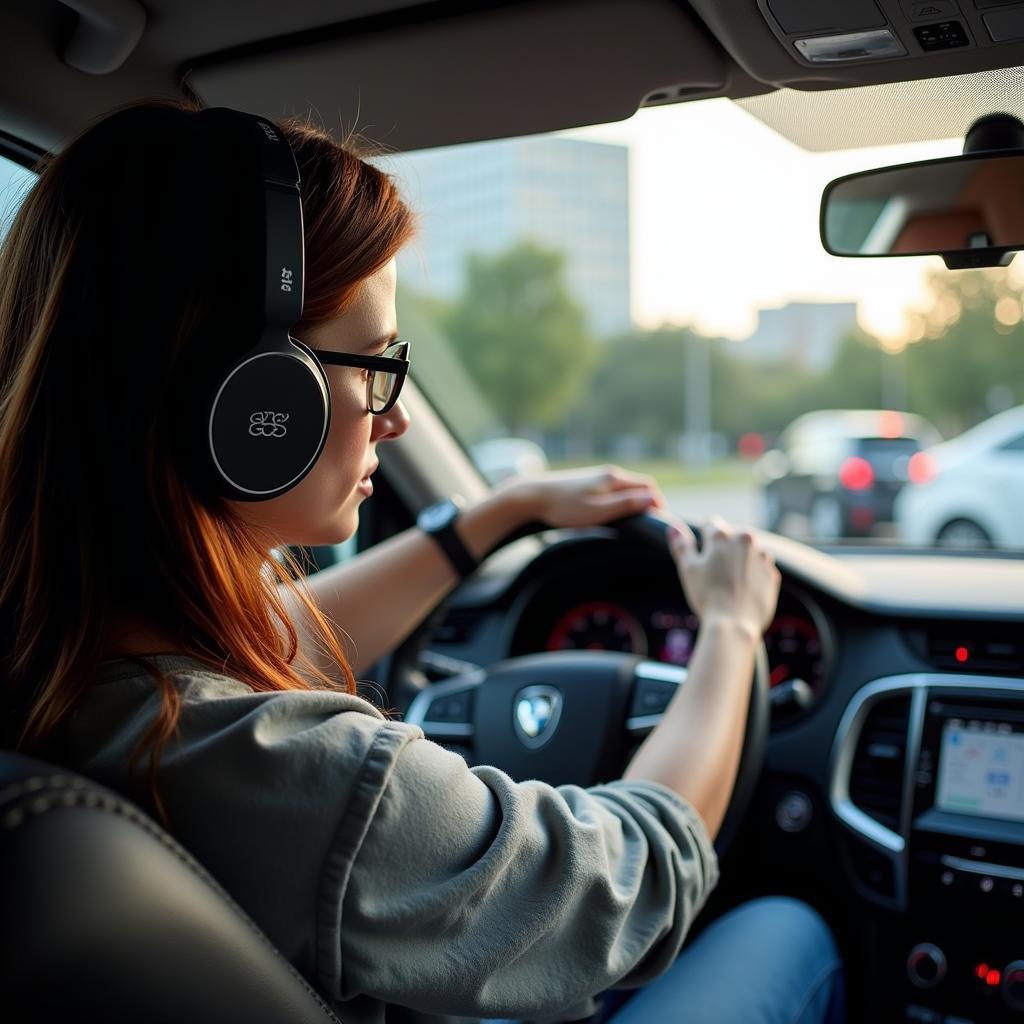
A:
124, 282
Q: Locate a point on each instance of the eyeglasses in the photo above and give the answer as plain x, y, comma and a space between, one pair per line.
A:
387, 373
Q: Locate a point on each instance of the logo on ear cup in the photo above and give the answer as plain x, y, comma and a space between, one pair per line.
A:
268, 424
280, 394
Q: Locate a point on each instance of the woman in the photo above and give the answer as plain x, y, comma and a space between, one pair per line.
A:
155, 642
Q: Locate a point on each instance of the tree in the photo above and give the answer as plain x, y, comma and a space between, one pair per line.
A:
439, 373
968, 357
521, 336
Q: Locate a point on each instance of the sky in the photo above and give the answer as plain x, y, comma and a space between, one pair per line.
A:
724, 220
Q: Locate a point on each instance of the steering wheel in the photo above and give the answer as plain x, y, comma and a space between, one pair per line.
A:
574, 716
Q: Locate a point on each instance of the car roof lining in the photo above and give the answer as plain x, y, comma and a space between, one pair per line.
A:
419, 74
886, 114
557, 75
434, 64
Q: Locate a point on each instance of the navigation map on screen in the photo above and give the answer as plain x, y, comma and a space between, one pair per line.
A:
981, 769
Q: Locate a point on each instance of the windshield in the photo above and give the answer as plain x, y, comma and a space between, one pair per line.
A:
654, 292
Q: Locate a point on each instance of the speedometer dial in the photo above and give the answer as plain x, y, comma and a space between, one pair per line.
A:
799, 648
795, 652
598, 626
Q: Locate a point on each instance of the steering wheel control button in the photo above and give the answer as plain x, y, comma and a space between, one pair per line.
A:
536, 710
651, 697
926, 965
445, 711
456, 707
794, 812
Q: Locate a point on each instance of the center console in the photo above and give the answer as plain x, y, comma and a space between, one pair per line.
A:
928, 780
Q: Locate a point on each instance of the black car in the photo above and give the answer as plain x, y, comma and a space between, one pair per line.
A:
841, 469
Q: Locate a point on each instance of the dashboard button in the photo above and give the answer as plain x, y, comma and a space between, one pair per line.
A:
926, 965
794, 812
985, 884
1013, 985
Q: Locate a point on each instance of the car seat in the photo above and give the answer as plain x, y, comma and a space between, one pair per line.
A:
104, 917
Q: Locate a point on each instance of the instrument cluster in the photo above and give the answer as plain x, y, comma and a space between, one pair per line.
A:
798, 641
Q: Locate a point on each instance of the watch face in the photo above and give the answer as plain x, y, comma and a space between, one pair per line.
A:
437, 516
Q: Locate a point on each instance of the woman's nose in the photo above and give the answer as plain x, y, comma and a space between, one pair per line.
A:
392, 424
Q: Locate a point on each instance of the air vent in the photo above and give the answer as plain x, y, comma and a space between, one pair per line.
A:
970, 646
876, 777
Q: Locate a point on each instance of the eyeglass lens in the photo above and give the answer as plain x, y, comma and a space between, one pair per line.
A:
382, 383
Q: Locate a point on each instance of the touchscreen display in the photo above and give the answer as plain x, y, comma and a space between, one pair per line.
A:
981, 769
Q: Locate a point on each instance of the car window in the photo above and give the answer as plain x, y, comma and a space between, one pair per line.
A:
15, 181
1016, 445
887, 447
623, 293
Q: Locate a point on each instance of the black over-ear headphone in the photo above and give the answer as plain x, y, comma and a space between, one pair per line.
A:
268, 417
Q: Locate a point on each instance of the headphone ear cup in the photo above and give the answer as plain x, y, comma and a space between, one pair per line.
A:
268, 422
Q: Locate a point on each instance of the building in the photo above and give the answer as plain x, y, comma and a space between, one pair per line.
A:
564, 194
806, 333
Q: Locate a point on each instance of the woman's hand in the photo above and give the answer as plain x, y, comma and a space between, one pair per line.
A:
583, 497
730, 577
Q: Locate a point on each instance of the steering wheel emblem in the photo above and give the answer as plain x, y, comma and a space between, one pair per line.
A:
537, 709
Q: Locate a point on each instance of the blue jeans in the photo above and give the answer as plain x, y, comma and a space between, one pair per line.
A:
770, 961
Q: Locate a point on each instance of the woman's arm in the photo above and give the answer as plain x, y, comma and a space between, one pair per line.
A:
733, 586
376, 599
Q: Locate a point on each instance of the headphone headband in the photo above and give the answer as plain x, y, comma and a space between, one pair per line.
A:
282, 206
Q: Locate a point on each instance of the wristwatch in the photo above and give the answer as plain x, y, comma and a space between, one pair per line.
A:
439, 522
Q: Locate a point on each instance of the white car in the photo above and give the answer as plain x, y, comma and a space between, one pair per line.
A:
505, 457
972, 492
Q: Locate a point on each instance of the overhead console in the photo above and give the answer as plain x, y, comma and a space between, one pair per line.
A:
928, 783
845, 31
834, 42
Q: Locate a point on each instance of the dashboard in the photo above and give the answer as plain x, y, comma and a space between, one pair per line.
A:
892, 794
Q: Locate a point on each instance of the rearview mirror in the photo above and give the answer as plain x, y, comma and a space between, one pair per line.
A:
968, 209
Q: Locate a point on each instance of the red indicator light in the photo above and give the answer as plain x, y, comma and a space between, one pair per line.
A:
992, 978
856, 473
961, 654
981, 971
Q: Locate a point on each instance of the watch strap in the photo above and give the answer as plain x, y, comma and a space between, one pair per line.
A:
451, 543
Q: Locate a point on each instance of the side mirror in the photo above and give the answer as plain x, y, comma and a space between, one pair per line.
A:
968, 209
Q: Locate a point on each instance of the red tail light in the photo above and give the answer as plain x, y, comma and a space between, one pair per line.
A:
922, 468
856, 474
